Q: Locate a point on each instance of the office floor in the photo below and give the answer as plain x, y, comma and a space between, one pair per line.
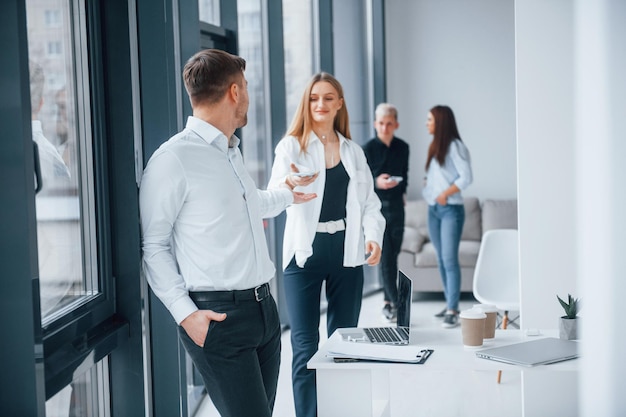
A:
423, 309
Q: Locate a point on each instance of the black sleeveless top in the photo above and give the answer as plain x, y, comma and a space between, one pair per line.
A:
335, 194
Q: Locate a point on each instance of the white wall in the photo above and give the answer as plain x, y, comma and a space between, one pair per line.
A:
571, 104
545, 145
600, 175
463, 53
458, 53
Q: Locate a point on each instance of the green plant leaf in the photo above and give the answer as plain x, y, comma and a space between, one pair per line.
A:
571, 307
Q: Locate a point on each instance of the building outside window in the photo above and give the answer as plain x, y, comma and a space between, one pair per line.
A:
209, 11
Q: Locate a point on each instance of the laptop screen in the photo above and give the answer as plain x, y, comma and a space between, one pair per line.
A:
405, 293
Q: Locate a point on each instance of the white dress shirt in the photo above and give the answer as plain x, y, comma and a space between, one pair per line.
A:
201, 216
364, 221
457, 169
50, 161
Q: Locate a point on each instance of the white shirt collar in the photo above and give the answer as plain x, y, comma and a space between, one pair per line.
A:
210, 133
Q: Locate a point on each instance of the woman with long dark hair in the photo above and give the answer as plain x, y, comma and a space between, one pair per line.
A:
448, 171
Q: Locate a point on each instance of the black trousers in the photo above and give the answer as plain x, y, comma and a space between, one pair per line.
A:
303, 287
240, 360
393, 211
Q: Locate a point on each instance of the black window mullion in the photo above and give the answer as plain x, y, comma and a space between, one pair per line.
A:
21, 385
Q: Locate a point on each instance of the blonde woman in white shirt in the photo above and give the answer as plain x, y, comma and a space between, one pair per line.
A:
328, 240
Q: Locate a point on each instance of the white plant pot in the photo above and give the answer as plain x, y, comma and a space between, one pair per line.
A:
568, 328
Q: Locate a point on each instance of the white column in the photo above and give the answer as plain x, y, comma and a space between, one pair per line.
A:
601, 202
546, 161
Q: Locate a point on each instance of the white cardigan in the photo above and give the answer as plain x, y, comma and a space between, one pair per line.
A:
364, 221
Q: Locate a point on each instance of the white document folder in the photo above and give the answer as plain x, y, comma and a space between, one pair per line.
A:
377, 352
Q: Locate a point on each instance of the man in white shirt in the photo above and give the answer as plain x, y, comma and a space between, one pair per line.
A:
204, 248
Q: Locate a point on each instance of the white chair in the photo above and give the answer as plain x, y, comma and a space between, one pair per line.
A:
496, 276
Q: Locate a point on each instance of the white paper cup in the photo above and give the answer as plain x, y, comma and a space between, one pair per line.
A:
473, 327
490, 323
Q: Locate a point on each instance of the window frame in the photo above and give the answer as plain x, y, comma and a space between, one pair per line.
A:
93, 326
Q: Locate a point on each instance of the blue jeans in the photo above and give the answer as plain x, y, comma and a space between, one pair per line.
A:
445, 225
344, 288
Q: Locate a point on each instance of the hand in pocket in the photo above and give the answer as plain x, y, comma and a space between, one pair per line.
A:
197, 324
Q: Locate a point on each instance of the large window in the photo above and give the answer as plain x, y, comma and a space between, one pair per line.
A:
71, 282
209, 11
255, 145
86, 396
61, 130
299, 50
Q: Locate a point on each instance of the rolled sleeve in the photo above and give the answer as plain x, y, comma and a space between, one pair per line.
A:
460, 156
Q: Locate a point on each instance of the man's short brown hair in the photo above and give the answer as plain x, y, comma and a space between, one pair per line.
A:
209, 73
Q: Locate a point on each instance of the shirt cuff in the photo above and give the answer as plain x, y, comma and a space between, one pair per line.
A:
287, 194
182, 308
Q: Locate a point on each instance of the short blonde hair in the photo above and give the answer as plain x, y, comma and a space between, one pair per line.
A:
386, 109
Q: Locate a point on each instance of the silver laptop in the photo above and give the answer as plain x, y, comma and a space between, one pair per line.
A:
398, 335
533, 353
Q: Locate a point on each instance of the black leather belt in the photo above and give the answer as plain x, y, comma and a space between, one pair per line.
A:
257, 293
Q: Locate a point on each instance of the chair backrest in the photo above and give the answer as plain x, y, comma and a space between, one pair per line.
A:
496, 276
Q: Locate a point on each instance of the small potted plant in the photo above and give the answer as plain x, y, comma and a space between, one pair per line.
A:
568, 327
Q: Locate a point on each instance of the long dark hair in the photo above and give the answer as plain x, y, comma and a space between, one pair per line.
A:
445, 132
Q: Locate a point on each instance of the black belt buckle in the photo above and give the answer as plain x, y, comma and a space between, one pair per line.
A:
261, 292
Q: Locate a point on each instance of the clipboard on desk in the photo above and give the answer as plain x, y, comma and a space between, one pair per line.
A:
419, 360
354, 352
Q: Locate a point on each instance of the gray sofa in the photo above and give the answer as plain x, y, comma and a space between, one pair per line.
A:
418, 259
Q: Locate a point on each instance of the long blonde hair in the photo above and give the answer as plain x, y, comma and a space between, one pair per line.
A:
302, 125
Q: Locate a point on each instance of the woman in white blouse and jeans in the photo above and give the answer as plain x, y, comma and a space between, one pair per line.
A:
328, 240
448, 171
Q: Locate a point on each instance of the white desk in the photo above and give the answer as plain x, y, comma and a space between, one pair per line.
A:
452, 381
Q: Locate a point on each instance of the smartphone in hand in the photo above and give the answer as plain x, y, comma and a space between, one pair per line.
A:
303, 174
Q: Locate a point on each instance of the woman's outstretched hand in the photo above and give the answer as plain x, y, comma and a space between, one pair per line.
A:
297, 179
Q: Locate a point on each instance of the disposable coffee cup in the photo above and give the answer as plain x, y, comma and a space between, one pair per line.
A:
490, 323
473, 327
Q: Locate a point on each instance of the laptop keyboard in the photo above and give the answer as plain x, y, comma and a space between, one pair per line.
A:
387, 334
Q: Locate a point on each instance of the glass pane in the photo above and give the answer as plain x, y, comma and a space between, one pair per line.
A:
56, 45
209, 11
86, 396
255, 143
298, 40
